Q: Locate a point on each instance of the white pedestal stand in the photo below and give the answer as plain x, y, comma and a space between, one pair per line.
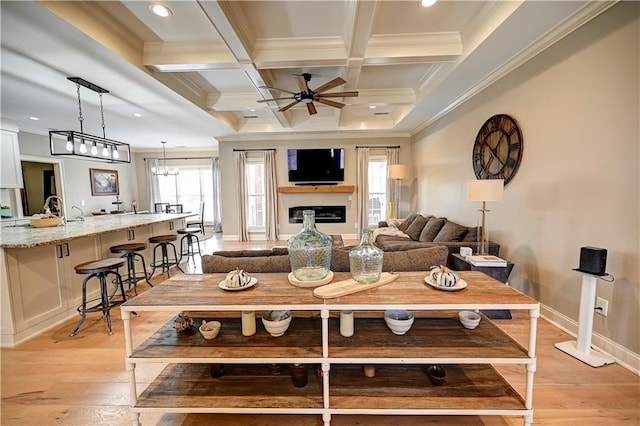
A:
581, 349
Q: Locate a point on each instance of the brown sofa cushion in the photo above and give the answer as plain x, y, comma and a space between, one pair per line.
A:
421, 259
414, 230
431, 229
405, 223
474, 235
243, 253
253, 264
451, 231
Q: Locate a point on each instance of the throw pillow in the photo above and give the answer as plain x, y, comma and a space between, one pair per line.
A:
474, 235
431, 229
340, 259
414, 230
451, 231
405, 223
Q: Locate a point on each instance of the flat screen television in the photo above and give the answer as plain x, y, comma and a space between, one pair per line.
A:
323, 165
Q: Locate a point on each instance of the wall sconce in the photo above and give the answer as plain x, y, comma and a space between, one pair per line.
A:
73, 144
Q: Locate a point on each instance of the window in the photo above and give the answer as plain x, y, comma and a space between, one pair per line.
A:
256, 197
378, 204
190, 187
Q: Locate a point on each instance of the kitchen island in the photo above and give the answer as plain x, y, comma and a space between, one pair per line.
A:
38, 284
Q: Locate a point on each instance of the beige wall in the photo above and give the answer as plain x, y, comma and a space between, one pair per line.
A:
229, 217
578, 185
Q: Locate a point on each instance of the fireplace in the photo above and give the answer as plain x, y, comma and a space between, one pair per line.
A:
324, 214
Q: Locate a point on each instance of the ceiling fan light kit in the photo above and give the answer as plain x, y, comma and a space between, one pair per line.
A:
69, 143
308, 96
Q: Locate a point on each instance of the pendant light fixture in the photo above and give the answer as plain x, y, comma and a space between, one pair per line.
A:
74, 144
164, 170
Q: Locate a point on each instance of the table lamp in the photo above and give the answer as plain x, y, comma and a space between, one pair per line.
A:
397, 172
485, 190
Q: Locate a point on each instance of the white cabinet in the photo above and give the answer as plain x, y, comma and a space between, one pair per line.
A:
10, 169
43, 281
336, 382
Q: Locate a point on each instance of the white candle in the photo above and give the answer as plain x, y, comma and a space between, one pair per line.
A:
248, 323
346, 323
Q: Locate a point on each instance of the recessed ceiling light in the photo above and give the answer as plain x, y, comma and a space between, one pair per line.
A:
372, 107
137, 114
160, 10
252, 109
34, 118
427, 3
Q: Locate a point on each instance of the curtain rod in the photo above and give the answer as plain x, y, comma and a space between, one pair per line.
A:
377, 146
254, 149
181, 158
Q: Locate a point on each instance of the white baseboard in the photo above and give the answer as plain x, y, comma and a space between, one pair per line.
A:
622, 355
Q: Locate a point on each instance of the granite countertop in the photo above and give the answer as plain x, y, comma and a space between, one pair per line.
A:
22, 236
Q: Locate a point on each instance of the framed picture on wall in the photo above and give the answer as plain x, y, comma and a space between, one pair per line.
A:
104, 182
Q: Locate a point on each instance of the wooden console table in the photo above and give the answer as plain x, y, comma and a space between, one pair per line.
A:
472, 385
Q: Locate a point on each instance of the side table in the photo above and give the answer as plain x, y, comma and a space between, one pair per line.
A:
500, 273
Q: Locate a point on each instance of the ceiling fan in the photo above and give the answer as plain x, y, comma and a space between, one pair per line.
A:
307, 96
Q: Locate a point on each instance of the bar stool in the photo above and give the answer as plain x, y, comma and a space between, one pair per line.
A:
163, 242
192, 243
100, 269
130, 252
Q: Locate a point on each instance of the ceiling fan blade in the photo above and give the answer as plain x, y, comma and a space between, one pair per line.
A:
330, 103
276, 88
311, 108
338, 95
275, 99
330, 85
284, 108
302, 84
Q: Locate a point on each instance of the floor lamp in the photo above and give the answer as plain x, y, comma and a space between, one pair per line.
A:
397, 172
485, 190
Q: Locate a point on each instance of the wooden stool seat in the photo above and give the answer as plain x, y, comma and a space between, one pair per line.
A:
189, 231
163, 239
129, 252
102, 265
100, 269
128, 248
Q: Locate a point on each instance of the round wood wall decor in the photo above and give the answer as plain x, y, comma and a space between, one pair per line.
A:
497, 151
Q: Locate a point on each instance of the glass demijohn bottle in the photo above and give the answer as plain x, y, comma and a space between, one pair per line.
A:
310, 251
365, 260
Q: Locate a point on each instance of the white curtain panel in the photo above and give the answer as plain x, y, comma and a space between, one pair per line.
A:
271, 193
362, 187
240, 160
153, 185
393, 185
217, 208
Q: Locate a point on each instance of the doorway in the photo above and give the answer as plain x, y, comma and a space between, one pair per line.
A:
42, 177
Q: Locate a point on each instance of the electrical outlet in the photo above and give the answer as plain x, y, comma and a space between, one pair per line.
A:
602, 306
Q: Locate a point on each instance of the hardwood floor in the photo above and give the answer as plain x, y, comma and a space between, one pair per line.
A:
81, 380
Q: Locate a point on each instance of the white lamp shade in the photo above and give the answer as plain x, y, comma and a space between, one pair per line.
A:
398, 171
485, 190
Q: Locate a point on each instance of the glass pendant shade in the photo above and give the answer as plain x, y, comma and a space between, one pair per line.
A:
83, 148
94, 149
365, 260
310, 251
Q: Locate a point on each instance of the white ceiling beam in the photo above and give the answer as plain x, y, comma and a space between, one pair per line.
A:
188, 56
385, 49
299, 52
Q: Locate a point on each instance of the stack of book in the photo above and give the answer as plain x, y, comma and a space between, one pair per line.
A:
486, 260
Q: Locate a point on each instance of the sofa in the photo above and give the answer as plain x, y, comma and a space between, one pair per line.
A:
277, 260
424, 230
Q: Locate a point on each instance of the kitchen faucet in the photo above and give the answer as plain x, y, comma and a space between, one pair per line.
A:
60, 203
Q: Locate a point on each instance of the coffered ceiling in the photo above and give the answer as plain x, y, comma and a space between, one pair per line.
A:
195, 77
